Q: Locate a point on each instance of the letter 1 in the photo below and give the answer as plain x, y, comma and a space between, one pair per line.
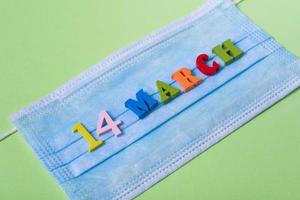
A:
94, 144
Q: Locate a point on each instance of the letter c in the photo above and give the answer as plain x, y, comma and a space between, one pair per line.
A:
205, 69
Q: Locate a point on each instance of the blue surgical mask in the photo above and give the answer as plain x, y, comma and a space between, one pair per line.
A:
151, 148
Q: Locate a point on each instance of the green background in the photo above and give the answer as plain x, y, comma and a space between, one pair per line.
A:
45, 43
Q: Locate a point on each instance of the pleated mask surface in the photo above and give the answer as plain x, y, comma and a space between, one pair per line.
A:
137, 116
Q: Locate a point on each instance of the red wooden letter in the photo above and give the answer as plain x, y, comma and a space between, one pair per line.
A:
205, 69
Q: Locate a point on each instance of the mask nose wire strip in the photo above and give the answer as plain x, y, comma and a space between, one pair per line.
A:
8, 133
14, 130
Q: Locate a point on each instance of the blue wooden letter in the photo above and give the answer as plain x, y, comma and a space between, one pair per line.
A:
143, 105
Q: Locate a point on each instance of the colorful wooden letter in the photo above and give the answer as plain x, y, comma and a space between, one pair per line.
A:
227, 51
185, 78
166, 91
205, 69
94, 144
105, 124
143, 105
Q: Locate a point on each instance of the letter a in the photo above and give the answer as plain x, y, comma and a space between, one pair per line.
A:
167, 92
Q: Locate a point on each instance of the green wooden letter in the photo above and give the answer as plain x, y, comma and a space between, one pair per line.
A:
227, 51
167, 92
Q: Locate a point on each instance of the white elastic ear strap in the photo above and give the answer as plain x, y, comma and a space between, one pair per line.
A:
14, 130
236, 1
8, 133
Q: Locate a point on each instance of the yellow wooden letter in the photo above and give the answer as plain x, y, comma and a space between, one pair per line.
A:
94, 144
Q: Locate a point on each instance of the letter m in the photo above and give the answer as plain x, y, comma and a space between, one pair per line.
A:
143, 105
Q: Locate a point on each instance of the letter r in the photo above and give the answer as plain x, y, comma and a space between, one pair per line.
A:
185, 78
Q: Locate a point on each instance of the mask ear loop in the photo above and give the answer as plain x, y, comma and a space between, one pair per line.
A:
237, 1
8, 133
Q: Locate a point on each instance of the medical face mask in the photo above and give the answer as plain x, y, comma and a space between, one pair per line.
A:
134, 118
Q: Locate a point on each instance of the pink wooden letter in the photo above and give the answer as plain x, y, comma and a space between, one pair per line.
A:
105, 124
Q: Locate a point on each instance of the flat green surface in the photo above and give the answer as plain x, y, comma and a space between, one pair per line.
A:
45, 43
